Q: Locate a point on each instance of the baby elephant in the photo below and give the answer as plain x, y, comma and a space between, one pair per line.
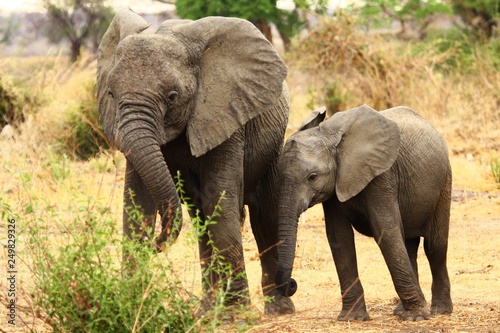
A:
385, 174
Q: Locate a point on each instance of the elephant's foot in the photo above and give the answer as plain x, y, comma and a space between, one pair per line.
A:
411, 315
353, 314
441, 306
279, 305
209, 306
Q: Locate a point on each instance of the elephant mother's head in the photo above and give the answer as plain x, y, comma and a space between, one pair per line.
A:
205, 78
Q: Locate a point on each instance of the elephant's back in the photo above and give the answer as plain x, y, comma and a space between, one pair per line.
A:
422, 166
416, 132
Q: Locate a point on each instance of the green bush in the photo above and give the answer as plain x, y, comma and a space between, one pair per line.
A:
79, 283
15, 101
82, 285
83, 136
333, 98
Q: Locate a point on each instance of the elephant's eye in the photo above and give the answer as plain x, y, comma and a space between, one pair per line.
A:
172, 96
312, 177
110, 93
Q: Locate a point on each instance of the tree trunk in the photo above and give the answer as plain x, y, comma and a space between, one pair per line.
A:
75, 49
265, 28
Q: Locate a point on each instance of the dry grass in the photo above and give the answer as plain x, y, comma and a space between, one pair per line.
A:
457, 91
370, 70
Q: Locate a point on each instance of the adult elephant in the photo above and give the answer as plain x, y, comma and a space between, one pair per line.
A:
385, 174
207, 99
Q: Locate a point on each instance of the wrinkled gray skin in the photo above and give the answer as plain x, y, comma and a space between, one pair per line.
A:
206, 98
388, 176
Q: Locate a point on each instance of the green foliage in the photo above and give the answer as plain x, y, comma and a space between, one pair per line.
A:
74, 258
457, 52
491, 7
414, 16
481, 16
83, 136
250, 10
495, 170
334, 98
289, 23
58, 165
79, 283
16, 102
403, 10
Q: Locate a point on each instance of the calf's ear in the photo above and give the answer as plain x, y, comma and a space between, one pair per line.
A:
367, 145
314, 119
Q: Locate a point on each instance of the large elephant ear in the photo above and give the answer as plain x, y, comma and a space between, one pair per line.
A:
367, 146
123, 24
241, 77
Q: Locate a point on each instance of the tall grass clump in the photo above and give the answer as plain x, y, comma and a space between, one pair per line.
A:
83, 136
363, 68
495, 170
16, 101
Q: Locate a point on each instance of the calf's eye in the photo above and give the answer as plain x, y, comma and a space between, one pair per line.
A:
312, 177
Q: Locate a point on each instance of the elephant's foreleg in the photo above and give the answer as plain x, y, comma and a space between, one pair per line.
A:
221, 254
222, 251
263, 208
341, 239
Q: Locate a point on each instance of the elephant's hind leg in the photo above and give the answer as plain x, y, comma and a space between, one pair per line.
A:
436, 247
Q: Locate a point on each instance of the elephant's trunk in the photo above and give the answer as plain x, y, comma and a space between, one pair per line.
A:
138, 141
287, 234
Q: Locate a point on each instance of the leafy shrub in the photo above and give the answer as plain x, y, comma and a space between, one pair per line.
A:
83, 135
15, 101
80, 285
